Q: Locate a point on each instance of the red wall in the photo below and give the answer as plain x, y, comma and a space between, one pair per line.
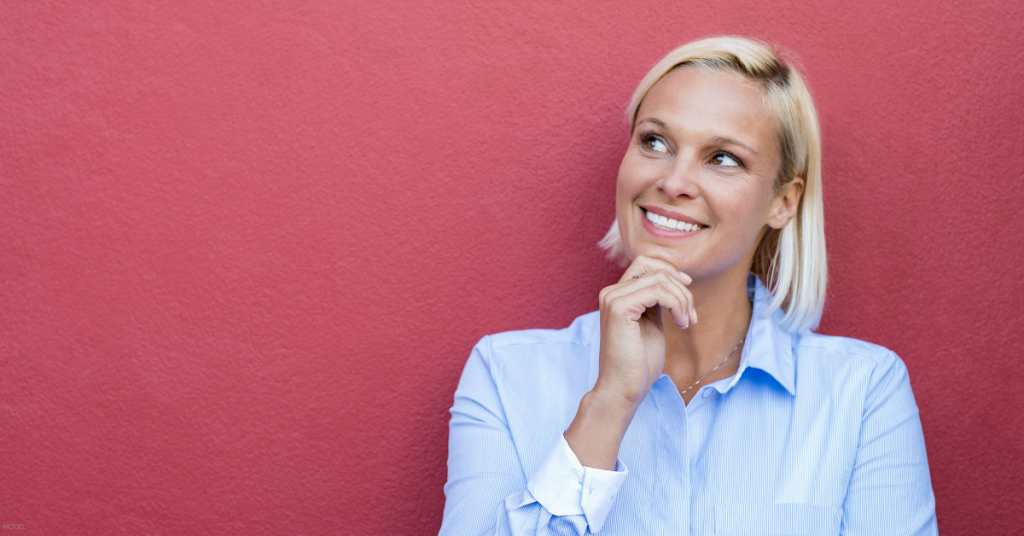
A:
247, 246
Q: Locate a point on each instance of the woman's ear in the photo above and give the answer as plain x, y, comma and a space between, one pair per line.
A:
786, 203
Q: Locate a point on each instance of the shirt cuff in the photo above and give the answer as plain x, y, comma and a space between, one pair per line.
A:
564, 487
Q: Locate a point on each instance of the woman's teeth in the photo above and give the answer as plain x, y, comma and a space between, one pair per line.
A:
669, 224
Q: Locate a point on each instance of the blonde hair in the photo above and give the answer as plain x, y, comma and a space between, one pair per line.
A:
791, 261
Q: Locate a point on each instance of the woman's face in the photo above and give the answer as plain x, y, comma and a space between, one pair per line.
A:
701, 164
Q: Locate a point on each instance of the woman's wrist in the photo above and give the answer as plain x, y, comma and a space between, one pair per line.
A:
596, 433
606, 399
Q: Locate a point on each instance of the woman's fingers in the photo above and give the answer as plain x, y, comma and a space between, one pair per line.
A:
654, 288
664, 280
692, 312
634, 304
643, 265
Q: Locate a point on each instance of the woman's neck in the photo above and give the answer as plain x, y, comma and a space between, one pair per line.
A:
723, 310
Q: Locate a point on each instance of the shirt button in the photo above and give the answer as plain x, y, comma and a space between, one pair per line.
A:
707, 393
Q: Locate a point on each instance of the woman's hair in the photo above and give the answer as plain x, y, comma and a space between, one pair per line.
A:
791, 261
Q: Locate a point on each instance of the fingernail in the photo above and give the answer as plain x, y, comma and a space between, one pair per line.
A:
686, 278
693, 316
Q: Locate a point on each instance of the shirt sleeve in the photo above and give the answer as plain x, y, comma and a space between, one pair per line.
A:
488, 492
890, 489
564, 487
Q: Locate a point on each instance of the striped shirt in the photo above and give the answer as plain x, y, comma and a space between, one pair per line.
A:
814, 435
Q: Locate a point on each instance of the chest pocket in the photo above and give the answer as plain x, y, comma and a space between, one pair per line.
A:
788, 519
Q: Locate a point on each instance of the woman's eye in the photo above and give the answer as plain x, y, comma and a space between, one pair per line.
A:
654, 144
722, 159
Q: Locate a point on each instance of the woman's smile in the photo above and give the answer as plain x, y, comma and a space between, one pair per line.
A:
669, 224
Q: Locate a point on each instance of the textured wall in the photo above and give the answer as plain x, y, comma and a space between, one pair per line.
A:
247, 246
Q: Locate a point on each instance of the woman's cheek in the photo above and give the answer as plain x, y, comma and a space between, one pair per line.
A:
627, 231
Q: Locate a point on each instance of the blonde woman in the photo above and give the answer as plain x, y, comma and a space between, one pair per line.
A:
697, 400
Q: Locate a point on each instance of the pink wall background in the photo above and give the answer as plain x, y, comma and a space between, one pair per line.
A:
247, 246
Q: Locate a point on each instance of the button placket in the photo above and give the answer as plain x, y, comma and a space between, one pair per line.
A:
674, 431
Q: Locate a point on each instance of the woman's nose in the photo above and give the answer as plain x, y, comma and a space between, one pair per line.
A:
681, 179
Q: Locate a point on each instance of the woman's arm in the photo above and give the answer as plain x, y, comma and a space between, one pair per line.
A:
632, 355
488, 491
890, 489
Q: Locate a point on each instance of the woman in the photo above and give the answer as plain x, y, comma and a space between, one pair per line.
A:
647, 418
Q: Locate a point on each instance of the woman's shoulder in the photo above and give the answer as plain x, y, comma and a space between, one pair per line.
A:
542, 342
837, 348
540, 357
834, 364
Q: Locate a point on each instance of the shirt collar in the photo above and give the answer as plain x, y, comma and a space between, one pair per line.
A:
768, 347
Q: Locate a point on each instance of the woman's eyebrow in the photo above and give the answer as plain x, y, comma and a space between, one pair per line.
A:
658, 122
730, 141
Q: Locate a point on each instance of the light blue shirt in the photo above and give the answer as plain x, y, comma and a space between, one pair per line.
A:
813, 435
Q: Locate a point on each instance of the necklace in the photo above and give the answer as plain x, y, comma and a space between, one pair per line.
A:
683, 392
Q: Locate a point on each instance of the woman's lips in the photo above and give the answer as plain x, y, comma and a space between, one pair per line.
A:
660, 225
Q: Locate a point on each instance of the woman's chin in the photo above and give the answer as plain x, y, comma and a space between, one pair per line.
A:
675, 258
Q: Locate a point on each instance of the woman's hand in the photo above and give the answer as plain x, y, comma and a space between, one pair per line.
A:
632, 355
632, 335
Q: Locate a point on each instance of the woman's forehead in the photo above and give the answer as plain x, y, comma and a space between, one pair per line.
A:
713, 102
